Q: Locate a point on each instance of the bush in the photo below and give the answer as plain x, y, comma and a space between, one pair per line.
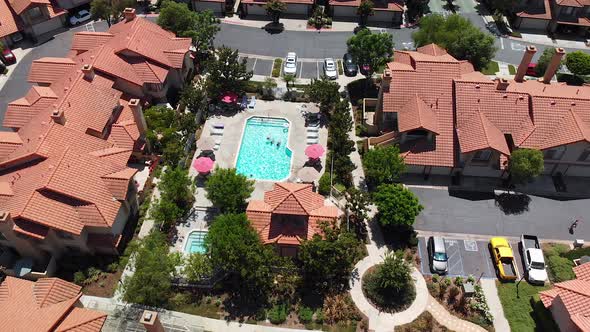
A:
276, 67
324, 184
319, 316
435, 278
459, 281
278, 314
516, 34
79, 278
576, 253
453, 293
305, 314
560, 268
113, 267
180, 299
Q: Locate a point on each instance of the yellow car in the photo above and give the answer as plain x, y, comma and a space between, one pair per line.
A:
503, 258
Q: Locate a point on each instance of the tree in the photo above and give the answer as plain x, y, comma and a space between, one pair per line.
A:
578, 62
197, 267
109, 10
458, 36
373, 49
227, 73
364, 10
390, 285
324, 92
327, 261
177, 186
155, 266
194, 98
289, 79
205, 28
165, 213
416, 9
228, 190
274, 8
525, 165
341, 146
544, 60
383, 165
397, 205
235, 247
357, 203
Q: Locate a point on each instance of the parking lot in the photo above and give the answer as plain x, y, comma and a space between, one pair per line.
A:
305, 68
466, 257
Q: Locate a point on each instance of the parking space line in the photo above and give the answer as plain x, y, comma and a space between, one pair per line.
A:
461, 260
254, 65
300, 64
317, 65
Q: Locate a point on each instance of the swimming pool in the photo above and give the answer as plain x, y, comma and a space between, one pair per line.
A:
194, 242
264, 154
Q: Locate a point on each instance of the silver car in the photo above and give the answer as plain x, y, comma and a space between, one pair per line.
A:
330, 69
437, 254
290, 67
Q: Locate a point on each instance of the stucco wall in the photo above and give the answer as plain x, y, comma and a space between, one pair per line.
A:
47, 26
569, 165
344, 11
68, 4
254, 9
561, 316
385, 16
215, 7
534, 24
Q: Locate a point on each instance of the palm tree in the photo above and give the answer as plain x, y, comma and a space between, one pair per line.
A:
289, 79
275, 8
364, 10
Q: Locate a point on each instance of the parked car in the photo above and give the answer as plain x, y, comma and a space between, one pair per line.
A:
290, 67
503, 258
350, 67
534, 262
532, 70
330, 69
437, 254
80, 17
365, 69
8, 56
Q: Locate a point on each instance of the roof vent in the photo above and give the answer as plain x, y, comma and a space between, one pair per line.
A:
129, 14
553, 102
573, 103
477, 86
521, 97
505, 95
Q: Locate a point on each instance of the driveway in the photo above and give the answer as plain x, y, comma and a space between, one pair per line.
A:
508, 215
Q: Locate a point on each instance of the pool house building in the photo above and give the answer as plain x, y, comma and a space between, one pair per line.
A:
289, 214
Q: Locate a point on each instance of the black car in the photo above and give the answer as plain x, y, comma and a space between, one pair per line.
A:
350, 68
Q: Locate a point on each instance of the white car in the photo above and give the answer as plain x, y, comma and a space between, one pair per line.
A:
290, 67
80, 17
330, 69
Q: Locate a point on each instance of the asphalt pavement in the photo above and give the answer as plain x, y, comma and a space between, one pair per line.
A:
492, 215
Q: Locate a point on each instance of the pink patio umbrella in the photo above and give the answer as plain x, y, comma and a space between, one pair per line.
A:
314, 151
203, 164
229, 97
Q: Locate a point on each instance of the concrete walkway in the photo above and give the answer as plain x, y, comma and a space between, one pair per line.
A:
444, 317
290, 24
491, 293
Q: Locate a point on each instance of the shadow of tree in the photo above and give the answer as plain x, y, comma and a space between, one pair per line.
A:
274, 28
513, 203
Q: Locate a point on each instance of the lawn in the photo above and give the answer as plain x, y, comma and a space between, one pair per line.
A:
491, 69
519, 310
511, 70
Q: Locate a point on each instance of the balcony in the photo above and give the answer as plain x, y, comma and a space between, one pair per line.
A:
12, 264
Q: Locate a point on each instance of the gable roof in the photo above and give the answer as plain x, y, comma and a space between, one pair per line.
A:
415, 114
48, 70
479, 133
44, 305
8, 21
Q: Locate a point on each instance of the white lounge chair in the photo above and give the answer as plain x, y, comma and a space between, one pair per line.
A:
313, 129
218, 126
311, 141
217, 144
216, 131
252, 103
312, 135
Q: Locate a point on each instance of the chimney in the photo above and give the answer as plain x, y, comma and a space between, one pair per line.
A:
88, 72
58, 115
502, 84
553, 65
129, 14
151, 322
524, 63
138, 116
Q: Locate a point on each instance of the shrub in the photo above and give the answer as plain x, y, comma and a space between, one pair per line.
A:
339, 308
305, 314
278, 314
433, 289
319, 316
435, 278
324, 184
576, 253
79, 278
453, 293
459, 281
471, 278
276, 68
180, 299
560, 268
447, 281
113, 267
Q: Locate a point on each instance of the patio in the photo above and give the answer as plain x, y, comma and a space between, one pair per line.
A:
198, 220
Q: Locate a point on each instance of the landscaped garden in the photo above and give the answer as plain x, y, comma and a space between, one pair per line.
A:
451, 293
560, 260
523, 309
424, 323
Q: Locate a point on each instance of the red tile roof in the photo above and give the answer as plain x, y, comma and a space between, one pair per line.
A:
415, 114
543, 13
289, 199
378, 5
86, 40
583, 272
19, 6
8, 21
45, 305
479, 133
49, 70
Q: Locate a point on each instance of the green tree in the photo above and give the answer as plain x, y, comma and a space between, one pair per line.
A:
176, 17
289, 80
397, 205
196, 267
357, 204
165, 212
544, 60
341, 146
109, 10
525, 165
324, 92
155, 266
227, 73
327, 261
194, 98
458, 36
390, 285
578, 62
383, 165
205, 28
235, 247
416, 9
177, 186
274, 8
228, 190
373, 49
364, 10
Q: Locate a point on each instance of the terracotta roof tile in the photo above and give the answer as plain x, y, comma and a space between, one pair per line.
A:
542, 13
583, 272
87, 40
82, 320
20, 6
479, 133
49, 70
582, 322
415, 114
21, 111
575, 295
8, 21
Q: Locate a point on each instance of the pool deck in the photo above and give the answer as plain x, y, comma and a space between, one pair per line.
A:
226, 155
198, 220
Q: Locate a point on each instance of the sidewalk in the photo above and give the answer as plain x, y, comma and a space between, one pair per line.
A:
449, 321
290, 24
543, 39
491, 293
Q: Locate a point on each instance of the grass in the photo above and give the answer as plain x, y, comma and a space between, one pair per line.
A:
340, 68
491, 69
522, 314
423, 323
512, 70
276, 67
206, 310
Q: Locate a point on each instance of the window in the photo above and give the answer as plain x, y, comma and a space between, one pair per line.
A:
64, 235
35, 12
482, 155
585, 156
554, 154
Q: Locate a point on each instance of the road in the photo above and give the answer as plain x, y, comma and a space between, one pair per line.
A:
473, 213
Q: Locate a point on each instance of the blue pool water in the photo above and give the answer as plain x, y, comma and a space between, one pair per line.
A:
264, 154
194, 242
